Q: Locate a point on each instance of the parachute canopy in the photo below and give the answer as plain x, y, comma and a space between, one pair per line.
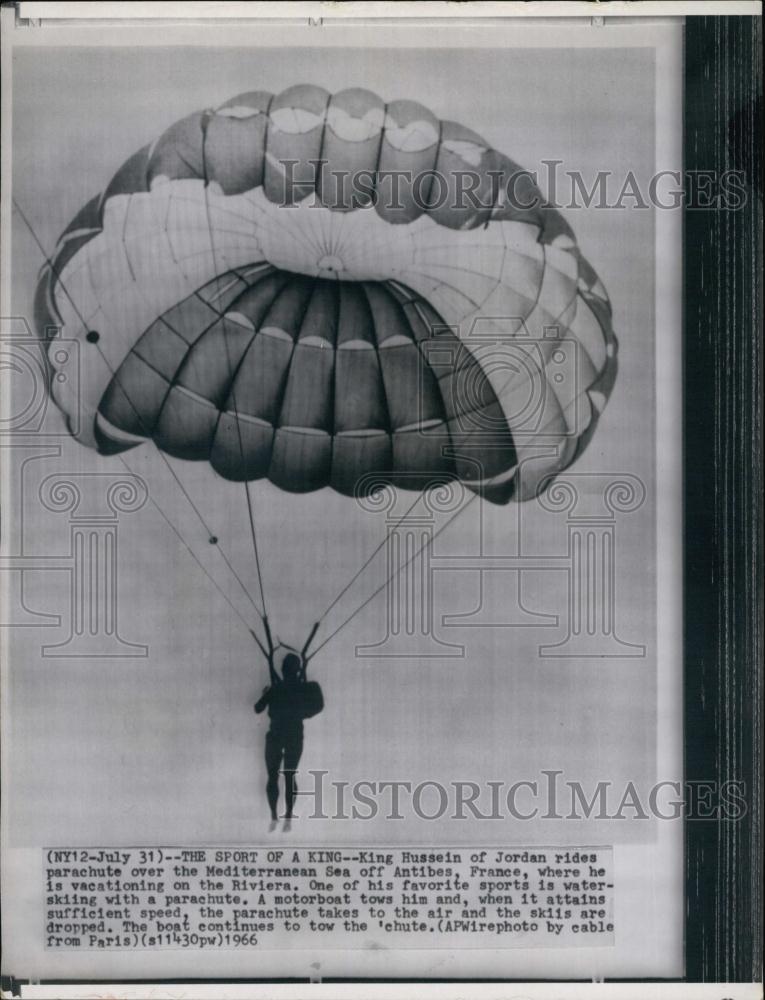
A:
328, 290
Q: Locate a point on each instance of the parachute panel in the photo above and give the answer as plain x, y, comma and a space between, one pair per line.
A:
358, 458
351, 149
301, 459
242, 447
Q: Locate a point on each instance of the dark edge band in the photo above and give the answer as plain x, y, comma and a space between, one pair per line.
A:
723, 496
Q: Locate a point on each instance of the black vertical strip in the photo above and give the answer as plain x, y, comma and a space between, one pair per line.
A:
723, 493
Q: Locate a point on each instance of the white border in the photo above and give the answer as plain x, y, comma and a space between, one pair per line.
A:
404, 991
425, 9
662, 863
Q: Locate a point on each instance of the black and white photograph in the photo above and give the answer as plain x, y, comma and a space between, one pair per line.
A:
342, 446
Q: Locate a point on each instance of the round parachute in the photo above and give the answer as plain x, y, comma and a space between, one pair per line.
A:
328, 290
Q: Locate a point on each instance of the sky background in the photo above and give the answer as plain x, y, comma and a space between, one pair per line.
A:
167, 749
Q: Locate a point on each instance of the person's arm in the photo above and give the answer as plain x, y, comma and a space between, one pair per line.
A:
275, 679
268, 654
304, 651
263, 701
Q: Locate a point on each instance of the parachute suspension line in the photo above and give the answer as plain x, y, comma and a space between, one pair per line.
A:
358, 573
398, 524
200, 517
232, 377
394, 574
194, 556
254, 537
181, 487
48, 261
147, 432
397, 571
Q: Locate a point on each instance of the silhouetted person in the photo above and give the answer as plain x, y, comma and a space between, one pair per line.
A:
289, 699
284, 739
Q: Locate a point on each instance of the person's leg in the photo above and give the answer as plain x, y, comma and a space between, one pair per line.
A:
292, 753
273, 763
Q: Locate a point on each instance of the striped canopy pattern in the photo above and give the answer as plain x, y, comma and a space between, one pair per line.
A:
297, 287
